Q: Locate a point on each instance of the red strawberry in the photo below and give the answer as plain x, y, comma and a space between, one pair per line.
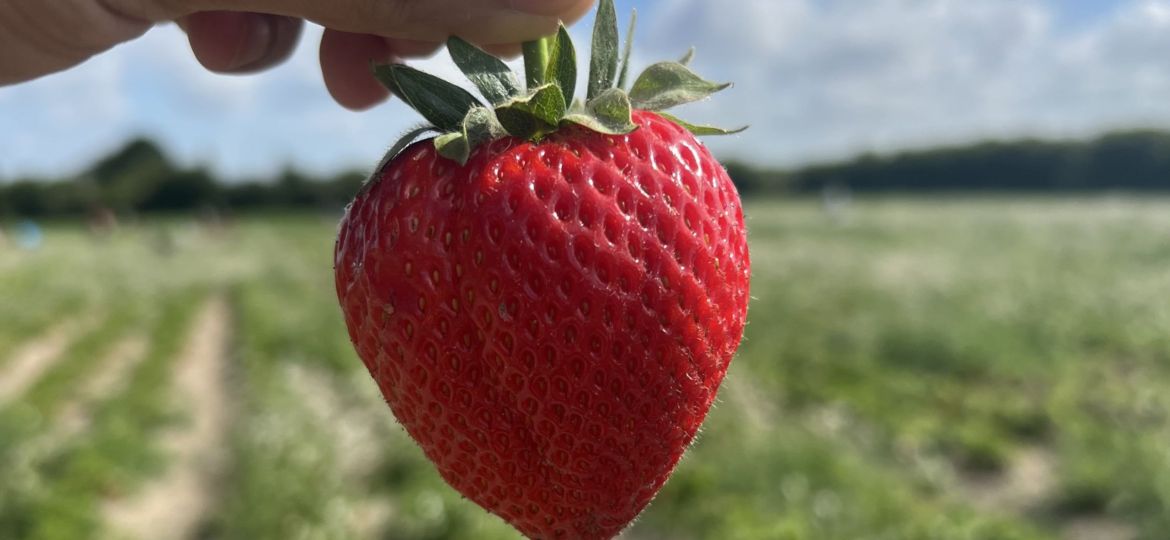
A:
551, 319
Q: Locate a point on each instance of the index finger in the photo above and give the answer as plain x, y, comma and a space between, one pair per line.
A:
481, 21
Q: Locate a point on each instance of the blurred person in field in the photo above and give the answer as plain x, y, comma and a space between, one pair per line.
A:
101, 222
39, 37
29, 235
836, 199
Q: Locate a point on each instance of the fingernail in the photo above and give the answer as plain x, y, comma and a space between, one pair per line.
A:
256, 44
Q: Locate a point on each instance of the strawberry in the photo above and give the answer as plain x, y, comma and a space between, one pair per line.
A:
548, 296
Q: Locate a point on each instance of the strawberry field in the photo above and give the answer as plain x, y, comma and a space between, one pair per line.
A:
913, 369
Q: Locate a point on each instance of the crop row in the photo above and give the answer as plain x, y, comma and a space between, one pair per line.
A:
60, 495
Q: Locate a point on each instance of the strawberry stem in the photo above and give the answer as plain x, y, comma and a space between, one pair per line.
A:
536, 61
550, 67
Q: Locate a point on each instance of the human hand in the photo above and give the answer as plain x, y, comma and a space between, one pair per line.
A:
38, 37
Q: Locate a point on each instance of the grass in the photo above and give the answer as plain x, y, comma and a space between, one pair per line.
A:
896, 361
78, 363
118, 450
277, 446
962, 332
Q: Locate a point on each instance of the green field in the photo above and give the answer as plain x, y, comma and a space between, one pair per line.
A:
913, 369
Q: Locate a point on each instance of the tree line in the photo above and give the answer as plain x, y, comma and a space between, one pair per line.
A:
140, 178
1137, 161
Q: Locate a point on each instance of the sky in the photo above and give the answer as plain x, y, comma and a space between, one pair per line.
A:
817, 80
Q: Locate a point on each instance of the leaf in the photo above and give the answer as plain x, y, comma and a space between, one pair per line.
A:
479, 126
624, 72
610, 113
453, 146
667, 84
489, 74
604, 61
403, 142
701, 130
562, 64
440, 102
534, 115
546, 104
686, 59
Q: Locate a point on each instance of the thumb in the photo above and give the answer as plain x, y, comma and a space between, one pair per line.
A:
38, 37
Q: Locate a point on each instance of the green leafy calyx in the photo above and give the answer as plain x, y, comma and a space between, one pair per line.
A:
546, 101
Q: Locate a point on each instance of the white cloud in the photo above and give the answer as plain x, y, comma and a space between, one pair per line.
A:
816, 79
61, 119
838, 77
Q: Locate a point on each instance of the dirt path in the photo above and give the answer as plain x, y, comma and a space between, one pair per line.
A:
1026, 483
1098, 528
73, 417
173, 505
109, 380
34, 358
356, 426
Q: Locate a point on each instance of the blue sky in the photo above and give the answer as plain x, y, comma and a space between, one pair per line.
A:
817, 79
1079, 13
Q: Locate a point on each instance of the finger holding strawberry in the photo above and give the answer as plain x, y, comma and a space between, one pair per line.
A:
244, 36
549, 292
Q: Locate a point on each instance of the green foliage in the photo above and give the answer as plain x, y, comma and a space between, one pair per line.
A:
131, 175
78, 363
943, 339
901, 360
547, 104
442, 103
277, 448
1138, 160
118, 453
751, 180
139, 178
490, 75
